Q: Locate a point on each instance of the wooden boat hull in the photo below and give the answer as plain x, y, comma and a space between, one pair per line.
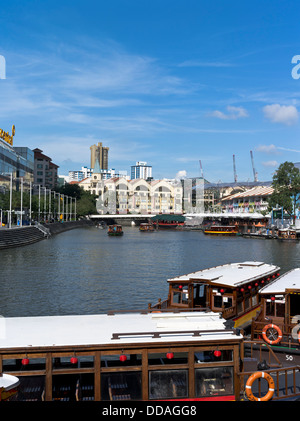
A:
221, 233
245, 319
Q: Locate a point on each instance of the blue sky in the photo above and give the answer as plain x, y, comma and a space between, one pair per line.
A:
167, 82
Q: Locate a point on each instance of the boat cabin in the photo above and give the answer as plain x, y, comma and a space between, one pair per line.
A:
279, 319
115, 230
230, 289
131, 356
222, 230
287, 234
146, 227
168, 220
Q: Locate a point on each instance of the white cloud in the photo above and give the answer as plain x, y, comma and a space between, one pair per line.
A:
270, 164
233, 113
197, 63
285, 114
270, 149
181, 174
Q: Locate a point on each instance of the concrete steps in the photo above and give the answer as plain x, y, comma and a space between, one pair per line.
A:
21, 236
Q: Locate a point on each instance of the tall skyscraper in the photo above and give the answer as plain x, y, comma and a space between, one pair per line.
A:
141, 170
99, 157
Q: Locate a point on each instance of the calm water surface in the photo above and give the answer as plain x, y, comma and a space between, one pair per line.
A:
84, 271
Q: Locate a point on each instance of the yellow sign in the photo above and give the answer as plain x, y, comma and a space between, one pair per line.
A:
6, 136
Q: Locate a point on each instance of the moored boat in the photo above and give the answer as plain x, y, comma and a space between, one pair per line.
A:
8, 386
230, 289
222, 230
115, 230
287, 234
278, 323
168, 221
132, 356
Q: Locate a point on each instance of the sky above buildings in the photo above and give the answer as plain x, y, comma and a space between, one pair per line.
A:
161, 81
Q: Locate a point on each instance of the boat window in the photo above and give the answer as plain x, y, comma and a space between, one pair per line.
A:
162, 358
168, 384
72, 361
85, 388
294, 304
19, 365
213, 381
218, 301
240, 307
213, 356
121, 386
180, 297
247, 303
255, 300
31, 388
275, 309
64, 387
121, 360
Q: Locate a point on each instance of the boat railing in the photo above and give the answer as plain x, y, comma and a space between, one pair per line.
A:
286, 380
286, 329
153, 309
228, 312
258, 349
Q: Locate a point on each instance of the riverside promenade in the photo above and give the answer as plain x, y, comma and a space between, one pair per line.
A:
22, 236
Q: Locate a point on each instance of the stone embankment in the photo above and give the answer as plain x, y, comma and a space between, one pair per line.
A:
22, 236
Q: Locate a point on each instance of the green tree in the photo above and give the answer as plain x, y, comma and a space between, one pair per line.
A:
286, 184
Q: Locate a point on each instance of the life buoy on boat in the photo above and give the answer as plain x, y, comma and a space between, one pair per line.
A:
255, 376
279, 334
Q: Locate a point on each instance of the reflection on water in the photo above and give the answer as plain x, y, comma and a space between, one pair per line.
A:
84, 271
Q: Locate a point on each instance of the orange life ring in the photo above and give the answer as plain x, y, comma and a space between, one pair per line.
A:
252, 378
264, 334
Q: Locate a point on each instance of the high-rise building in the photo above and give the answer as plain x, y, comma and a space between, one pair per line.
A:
99, 156
141, 170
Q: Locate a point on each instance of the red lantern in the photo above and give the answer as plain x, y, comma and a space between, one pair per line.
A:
277, 274
273, 276
217, 353
221, 291
25, 361
180, 287
249, 286
256, 284
273, 298
242, 290
123, 358
170, 355
262, 281
73, 360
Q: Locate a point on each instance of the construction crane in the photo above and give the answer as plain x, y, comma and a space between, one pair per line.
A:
234, 170
254, 172
201, 169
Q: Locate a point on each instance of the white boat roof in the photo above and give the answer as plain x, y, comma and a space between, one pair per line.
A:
7, 381
289, 280
231, 274
48, 331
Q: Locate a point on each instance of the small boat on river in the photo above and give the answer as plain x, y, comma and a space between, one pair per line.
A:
222, 230
146, 227
230, 289
115, 230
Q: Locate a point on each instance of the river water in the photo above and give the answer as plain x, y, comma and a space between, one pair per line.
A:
84, 271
